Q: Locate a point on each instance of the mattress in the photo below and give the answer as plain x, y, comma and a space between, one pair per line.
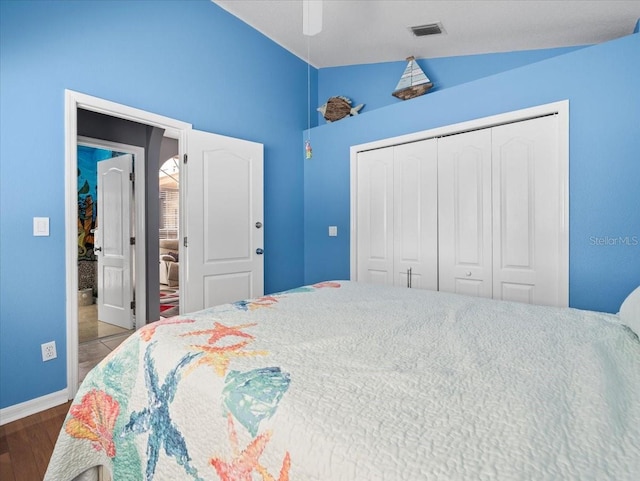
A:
344, 381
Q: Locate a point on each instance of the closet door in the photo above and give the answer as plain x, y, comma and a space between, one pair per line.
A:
464, 213
397, 240
527, 212
374, 225
415, 180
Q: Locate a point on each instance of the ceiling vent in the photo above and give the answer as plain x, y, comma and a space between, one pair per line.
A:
429, 29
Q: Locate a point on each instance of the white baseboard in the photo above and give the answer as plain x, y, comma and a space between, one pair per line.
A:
27, 408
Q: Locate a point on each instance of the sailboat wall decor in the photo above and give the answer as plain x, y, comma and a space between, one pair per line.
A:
413, 82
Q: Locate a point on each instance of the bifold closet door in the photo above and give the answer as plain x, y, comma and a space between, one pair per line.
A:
396, 209
501, 213
374, 228
415, 180
464, 213
527, 212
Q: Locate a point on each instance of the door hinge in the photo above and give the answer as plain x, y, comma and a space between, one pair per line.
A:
185, 158
133, 305
131, 176
132, 241
184, 242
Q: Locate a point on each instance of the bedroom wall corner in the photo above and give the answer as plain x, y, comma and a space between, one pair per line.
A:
604, 169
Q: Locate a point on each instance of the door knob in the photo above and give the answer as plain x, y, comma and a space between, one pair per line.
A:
97, 249
258, 224
469, 274
259, 251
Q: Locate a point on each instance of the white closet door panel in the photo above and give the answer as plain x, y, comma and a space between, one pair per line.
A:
416, 214
375, 216
469, 287
464, 213
527, 212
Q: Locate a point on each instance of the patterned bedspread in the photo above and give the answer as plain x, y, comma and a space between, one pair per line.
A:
347, 381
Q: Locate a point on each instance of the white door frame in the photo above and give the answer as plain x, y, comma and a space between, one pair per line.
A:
140, 276
73, 101
560, 108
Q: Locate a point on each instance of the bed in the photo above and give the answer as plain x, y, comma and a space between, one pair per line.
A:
347, 381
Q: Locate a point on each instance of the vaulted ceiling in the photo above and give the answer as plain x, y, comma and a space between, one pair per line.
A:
372, 31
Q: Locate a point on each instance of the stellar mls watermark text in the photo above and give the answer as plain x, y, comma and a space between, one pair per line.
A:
629, 240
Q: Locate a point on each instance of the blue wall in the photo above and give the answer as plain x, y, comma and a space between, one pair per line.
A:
191, 61
372, 84
601, 83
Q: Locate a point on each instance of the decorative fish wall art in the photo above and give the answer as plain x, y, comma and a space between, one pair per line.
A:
338, 108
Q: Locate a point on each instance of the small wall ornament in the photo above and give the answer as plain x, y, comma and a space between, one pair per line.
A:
308, 152
413, 81
338, 108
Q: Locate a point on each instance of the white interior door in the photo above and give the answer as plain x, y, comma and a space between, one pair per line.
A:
527, 212
464, 217
375, 216
415, 217
113, 248
224, 220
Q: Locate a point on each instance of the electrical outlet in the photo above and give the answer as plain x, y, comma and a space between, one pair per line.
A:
49, 351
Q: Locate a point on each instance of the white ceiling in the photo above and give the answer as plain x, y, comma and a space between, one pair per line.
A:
372, 31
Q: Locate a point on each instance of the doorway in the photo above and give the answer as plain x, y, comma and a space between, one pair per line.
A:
225, 173
91, 327
169, 229
105, 313
151, 129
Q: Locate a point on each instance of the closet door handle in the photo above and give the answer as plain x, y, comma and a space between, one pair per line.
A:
409, 277
468, 274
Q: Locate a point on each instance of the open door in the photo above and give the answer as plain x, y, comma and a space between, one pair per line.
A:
223, 209
113, 247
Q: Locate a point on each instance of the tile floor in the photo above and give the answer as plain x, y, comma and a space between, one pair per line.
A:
90, 353
90, 328
96, 339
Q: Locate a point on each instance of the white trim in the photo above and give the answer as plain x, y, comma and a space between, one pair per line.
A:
140, 270
74, 100
563, 159
96, 104
560, 108
353, 231
33, 406
71, 243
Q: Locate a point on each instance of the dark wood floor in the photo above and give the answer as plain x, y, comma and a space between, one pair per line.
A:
26, 444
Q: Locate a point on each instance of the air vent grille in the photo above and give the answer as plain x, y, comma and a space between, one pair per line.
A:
429, 29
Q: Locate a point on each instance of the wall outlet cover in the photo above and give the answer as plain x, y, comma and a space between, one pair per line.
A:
49, 351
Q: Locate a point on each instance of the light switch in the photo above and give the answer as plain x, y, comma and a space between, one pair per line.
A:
41, 226
333, 230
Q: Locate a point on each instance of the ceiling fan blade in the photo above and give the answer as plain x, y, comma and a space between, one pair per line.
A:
311, 17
